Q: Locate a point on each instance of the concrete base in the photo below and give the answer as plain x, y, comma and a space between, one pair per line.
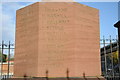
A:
89, 78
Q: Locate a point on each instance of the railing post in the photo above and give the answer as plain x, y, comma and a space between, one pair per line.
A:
2, 58
105, 62
8, 59
111, 52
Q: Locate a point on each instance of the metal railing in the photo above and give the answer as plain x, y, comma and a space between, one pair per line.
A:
109, 58
108, 46
6, 48
4, 77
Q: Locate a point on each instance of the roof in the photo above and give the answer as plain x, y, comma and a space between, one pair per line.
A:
117, 24
107, 48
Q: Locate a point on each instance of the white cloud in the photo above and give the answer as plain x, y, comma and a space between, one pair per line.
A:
8, 28
13, 5
0, 22
8, 19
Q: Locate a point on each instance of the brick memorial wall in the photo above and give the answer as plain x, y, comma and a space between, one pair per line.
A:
57, 38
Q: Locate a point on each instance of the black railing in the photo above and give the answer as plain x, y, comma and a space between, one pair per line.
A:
109, 68
109, 58
4, 77
6, 48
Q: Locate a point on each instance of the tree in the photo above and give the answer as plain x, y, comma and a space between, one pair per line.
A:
4, 57
115, 57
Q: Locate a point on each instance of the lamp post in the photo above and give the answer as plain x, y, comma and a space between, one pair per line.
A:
117, 25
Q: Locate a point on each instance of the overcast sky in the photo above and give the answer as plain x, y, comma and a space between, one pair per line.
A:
108, 16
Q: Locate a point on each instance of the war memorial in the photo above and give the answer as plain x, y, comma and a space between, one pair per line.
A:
57, 40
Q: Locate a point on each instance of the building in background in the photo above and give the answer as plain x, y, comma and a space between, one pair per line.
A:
110, 65
5, 68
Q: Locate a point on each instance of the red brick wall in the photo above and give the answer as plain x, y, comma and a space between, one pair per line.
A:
55, 37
